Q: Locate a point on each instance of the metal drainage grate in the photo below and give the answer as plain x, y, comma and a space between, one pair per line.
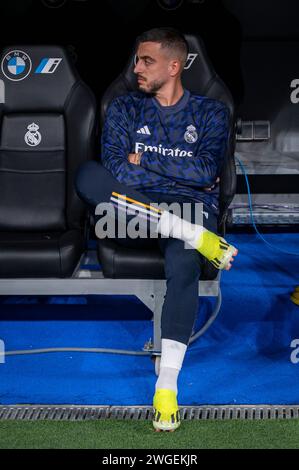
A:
88, 413
52, 412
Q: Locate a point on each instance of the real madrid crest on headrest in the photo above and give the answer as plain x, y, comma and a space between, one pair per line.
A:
33, 137
190, 135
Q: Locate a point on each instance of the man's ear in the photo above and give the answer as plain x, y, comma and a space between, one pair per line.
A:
174, 67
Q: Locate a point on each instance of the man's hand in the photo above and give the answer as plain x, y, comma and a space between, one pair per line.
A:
135, 158
213, 185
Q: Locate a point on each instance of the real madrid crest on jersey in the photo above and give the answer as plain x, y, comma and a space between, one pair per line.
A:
16, 65
190, 135
33, 137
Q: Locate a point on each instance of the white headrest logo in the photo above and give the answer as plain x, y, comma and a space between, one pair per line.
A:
16, 65
190, 59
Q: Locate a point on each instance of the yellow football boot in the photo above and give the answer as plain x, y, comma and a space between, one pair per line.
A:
295, 296
166, 410
216, 250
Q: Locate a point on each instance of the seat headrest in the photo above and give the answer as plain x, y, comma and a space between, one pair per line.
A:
36, 78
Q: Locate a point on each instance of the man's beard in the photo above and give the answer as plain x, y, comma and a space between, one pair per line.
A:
153, 87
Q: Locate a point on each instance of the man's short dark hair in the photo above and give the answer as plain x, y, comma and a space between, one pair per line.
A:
169, 38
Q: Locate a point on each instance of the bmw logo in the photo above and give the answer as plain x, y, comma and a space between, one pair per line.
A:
16, 65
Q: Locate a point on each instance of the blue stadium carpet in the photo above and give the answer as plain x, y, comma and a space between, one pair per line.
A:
244, 358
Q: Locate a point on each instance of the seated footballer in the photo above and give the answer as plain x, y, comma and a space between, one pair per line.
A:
164, 144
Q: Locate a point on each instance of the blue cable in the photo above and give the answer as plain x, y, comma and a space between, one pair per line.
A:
252, 218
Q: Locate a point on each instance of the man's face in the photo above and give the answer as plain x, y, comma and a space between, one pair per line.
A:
152, 68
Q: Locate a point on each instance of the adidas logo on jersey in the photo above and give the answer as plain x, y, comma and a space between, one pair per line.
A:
144, 130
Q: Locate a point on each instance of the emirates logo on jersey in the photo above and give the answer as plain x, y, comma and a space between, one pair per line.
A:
177, 152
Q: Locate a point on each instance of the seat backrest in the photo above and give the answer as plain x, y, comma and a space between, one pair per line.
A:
47, 119
199, 77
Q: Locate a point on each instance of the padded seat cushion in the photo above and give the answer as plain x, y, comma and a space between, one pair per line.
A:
124, 262
120, 262
33, 255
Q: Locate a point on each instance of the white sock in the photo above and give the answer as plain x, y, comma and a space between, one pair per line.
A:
168, 378
172, 356
170, 225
